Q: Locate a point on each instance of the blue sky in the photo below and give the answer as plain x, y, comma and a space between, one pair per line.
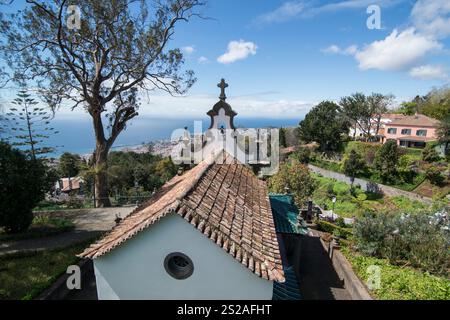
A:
301, 51
282, 57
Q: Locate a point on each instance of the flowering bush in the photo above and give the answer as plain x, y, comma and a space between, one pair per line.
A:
408, 239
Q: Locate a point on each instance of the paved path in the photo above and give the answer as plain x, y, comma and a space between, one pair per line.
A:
370, 186
89, 223
318, 279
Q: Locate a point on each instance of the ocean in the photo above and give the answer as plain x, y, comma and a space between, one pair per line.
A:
77, 136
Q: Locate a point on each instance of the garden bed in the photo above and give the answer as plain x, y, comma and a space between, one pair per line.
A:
397, 282
348, 205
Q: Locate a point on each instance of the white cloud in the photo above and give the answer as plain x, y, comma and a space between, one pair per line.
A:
428, 72
397, 51
238, 50
286, 11
405, 50
293, 9
203, 60
196, 105
432, 17
352, 49
188, 49
334, 49
352, 4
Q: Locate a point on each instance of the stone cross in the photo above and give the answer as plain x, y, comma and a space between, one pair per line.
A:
222, 85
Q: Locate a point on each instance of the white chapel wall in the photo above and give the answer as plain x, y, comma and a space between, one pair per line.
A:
135, 269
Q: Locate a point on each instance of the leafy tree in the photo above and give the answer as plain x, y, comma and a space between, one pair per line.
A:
353, 165
296, 177
283, 137
31, 123
378, 105
386, 160
165, 169
436, 103
149, 171
365, 112
443, 133
429, 154
303, 154
434, 175
69, 164
23, 183
325, 125
2, 122
407, 108
354, 108
119, 47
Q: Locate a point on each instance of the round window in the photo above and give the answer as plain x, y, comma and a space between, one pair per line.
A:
178, 265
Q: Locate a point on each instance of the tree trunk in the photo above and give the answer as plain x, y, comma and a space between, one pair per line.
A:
101, 177
101, 156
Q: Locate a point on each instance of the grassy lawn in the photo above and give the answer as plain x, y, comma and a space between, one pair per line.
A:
25, 276
69, 204
348, 205
400, 283
42, 226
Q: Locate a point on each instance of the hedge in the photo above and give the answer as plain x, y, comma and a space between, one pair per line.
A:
330, 227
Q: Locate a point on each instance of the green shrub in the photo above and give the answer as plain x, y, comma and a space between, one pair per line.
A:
370, 231
330, 228
297, 178
386, 160
400, 238
340, 222
303, 155
366, 150
429, 154
434, 175
22, 186
341, 188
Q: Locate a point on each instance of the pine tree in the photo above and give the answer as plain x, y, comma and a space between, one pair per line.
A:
386, 161
30, 125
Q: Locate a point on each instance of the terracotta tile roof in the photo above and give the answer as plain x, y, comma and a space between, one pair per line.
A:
288, 150
226, 202
418, 120
74, 184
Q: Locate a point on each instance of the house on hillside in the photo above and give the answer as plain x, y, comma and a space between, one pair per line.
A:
412, 131
209, 233
377, 127
70, 186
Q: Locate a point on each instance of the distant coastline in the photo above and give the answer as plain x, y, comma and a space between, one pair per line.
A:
76, 136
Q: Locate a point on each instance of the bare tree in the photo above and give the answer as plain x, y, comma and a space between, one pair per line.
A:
98, 55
